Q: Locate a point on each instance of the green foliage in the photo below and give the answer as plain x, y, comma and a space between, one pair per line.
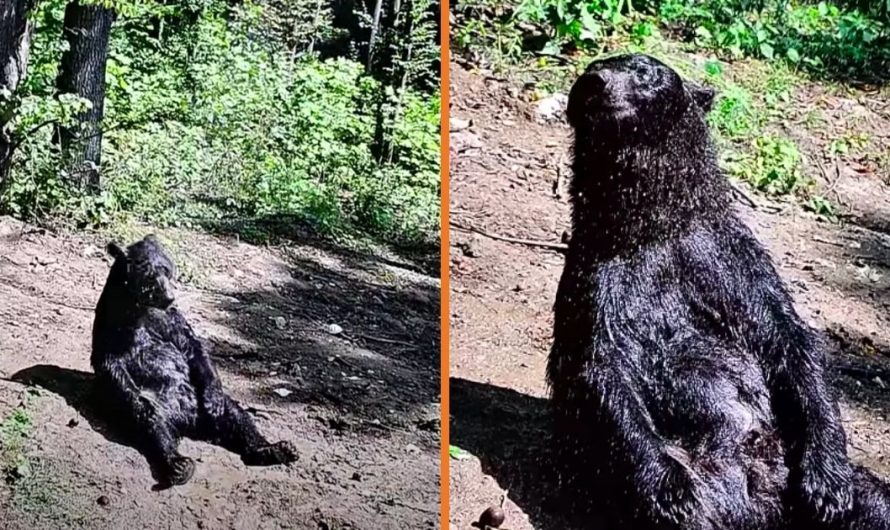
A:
821, 207
490, 34
733, 114
846, 143
583, 24
831, 39
823, 37
14, 432
457, 453
772, 165
213, 119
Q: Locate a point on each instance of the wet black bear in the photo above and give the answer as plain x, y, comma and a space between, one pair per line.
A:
154, 371
687, 393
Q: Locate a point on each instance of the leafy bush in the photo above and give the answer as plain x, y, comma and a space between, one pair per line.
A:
733, 114
581, 23
824, 37
772, 165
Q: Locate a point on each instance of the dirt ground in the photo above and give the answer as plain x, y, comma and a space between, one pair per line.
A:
504, 166
361, 404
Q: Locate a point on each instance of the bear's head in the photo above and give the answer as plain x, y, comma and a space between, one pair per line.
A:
148, 270
634, 98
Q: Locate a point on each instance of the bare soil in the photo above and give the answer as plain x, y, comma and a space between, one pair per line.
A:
361, 405
504, 167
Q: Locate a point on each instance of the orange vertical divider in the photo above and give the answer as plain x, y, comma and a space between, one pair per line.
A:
445, 262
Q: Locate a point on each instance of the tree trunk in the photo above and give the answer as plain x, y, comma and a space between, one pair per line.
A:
375, 30
82, 72
15, 44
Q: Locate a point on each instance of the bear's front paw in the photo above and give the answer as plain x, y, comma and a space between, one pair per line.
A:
282, 452
674, 492
178, 470
826, 485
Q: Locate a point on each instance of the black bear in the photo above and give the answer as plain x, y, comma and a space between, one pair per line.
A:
687, 392
156, 374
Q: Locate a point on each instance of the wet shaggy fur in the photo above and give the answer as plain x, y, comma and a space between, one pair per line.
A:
687, 392
156, 374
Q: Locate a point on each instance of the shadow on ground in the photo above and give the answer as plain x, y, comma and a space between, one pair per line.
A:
79, 392
508, 432
859, 368
423, 257
376, 371
856, 360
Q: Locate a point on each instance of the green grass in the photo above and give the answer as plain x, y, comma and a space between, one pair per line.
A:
772, 164
38, 492
15, 430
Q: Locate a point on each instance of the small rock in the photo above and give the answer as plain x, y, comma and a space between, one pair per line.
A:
552, 108
458, 124
879, 382
273, 373
103, 500
411, 448
334, 329
280, 322
283, 392
470, 248
43, 260
493, 517
465, 141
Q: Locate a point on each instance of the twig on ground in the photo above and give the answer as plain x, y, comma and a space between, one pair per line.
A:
820, 239
832, 183
560, 177
559, 247
743, 195
257, 410
388, 341
863, 372
423, 509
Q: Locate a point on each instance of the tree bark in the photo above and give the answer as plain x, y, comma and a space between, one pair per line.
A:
375, 30
15, 46
82, 72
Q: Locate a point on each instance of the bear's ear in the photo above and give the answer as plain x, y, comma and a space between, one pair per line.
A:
116, 251
703, 96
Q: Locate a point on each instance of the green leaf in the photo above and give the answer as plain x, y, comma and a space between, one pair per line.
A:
713, 68
767, 50
793, 55
590, 27
457, 453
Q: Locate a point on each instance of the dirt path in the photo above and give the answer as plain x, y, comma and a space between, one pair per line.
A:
503, 170
361, 405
